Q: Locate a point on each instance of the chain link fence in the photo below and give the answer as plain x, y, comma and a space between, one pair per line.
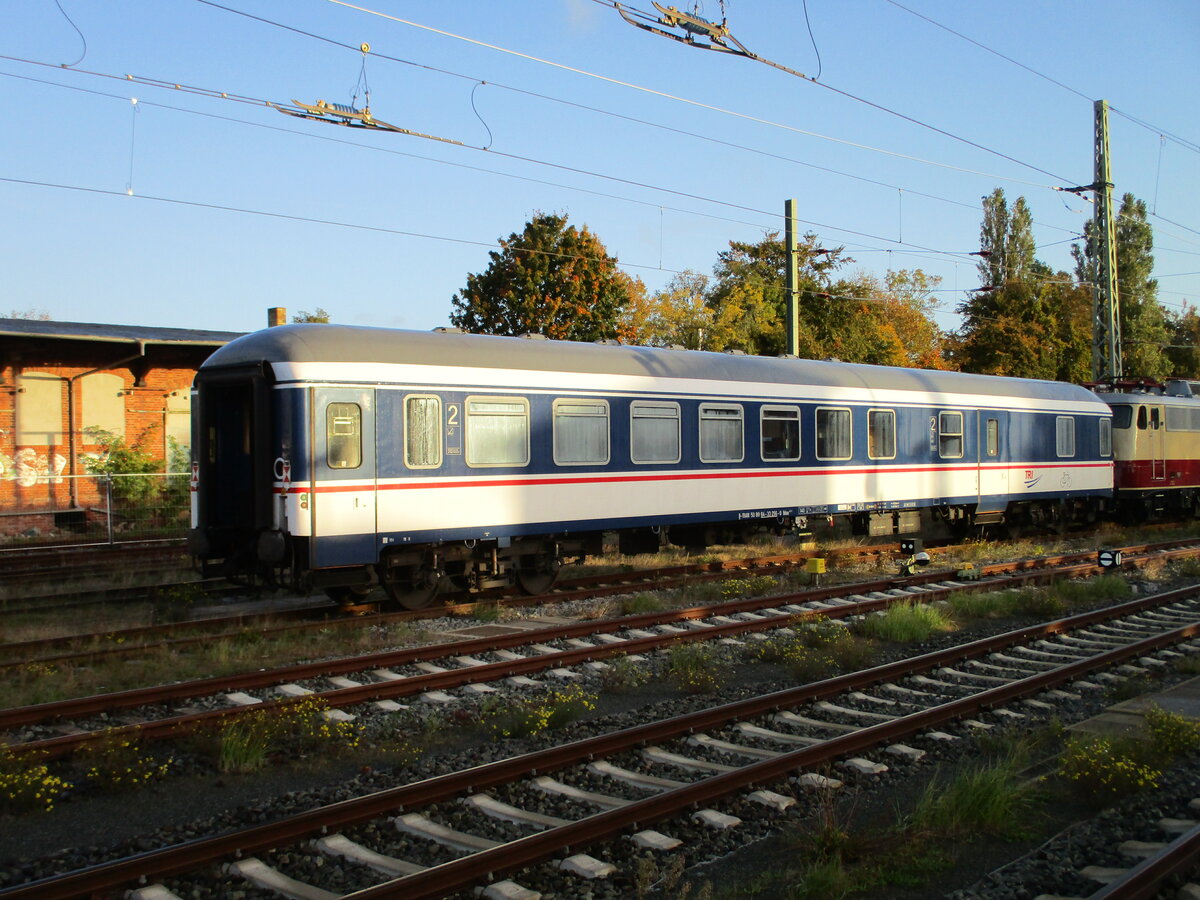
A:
62, 510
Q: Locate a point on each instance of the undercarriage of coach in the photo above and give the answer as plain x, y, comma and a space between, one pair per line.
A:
412, 577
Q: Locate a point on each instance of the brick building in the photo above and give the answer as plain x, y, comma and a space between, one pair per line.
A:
61, 381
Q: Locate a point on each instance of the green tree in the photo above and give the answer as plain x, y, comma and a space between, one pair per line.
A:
749, 300
1144, 325
678, 315
304, 316
1184, 350
903, 313
1011, 324
550, 279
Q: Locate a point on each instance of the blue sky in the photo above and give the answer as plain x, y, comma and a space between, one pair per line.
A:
125, 213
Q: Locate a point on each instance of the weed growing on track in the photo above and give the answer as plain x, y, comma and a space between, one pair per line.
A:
642, 603
990, 800
835, 859
907, 622
692, 667
752, 586
505, 717
487, 612
248, 742
666, 880
1104, 769
623, 675
116, 762
1170, 734
26, 783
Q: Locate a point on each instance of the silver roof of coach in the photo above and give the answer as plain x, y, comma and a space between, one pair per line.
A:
344, 343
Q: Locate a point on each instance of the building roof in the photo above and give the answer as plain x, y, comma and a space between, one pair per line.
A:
125, 334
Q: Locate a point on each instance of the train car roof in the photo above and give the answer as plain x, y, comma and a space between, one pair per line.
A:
317, 343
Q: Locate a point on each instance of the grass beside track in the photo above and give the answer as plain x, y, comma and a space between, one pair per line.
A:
251, 649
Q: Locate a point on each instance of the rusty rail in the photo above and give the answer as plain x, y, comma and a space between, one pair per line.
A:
443, 879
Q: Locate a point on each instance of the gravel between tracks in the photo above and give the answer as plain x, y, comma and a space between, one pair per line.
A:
183, 807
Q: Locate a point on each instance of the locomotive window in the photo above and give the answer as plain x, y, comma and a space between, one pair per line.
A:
497, 431
720, 433
343, 435
1180, 419
1106, 437
580, 432
833, 434
950, 435
422, 432
1155, 418
780, 432
1064, 431
993, 437
1122, 416
881, 433
654, 432
1142, 418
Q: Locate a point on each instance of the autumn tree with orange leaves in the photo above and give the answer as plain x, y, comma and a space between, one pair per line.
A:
552, 279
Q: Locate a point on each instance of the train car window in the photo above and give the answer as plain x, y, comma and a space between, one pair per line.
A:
780, 427
1106, 437
721, 433
422, 432
1122, 416
993, 437
1143, 418
881, 433
1064, 431
1180, 419
343, 435
497, 431
654, 432
950, 435
1155, 418
833, 434
580, 432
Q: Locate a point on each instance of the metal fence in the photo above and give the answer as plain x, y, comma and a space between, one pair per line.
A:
62, 510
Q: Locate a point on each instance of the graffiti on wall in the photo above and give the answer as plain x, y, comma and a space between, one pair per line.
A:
28, 468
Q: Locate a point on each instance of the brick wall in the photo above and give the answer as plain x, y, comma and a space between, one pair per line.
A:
28, 473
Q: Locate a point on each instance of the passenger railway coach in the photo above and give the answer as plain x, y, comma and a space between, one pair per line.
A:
340, 457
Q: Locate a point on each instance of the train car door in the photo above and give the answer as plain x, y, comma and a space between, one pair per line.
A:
994, 458
1156, 441
344, 502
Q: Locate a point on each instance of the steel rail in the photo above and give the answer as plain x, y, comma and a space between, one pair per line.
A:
1144, 881
176, 726
584, 586
590, 586
439, 880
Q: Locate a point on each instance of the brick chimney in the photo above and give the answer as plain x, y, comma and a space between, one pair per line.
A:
276, 315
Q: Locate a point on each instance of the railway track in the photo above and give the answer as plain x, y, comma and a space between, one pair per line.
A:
85, 569
685, 775
84, 649
370, 683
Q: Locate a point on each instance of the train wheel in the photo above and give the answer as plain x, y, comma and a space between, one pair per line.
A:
410, 587
537, 574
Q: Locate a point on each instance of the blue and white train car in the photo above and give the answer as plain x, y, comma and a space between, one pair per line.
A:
341, 457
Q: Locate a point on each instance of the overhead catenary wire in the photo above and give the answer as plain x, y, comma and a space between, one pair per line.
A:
1191, 145
917, 249
772, 214
791, 128
711, 107
215, 94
